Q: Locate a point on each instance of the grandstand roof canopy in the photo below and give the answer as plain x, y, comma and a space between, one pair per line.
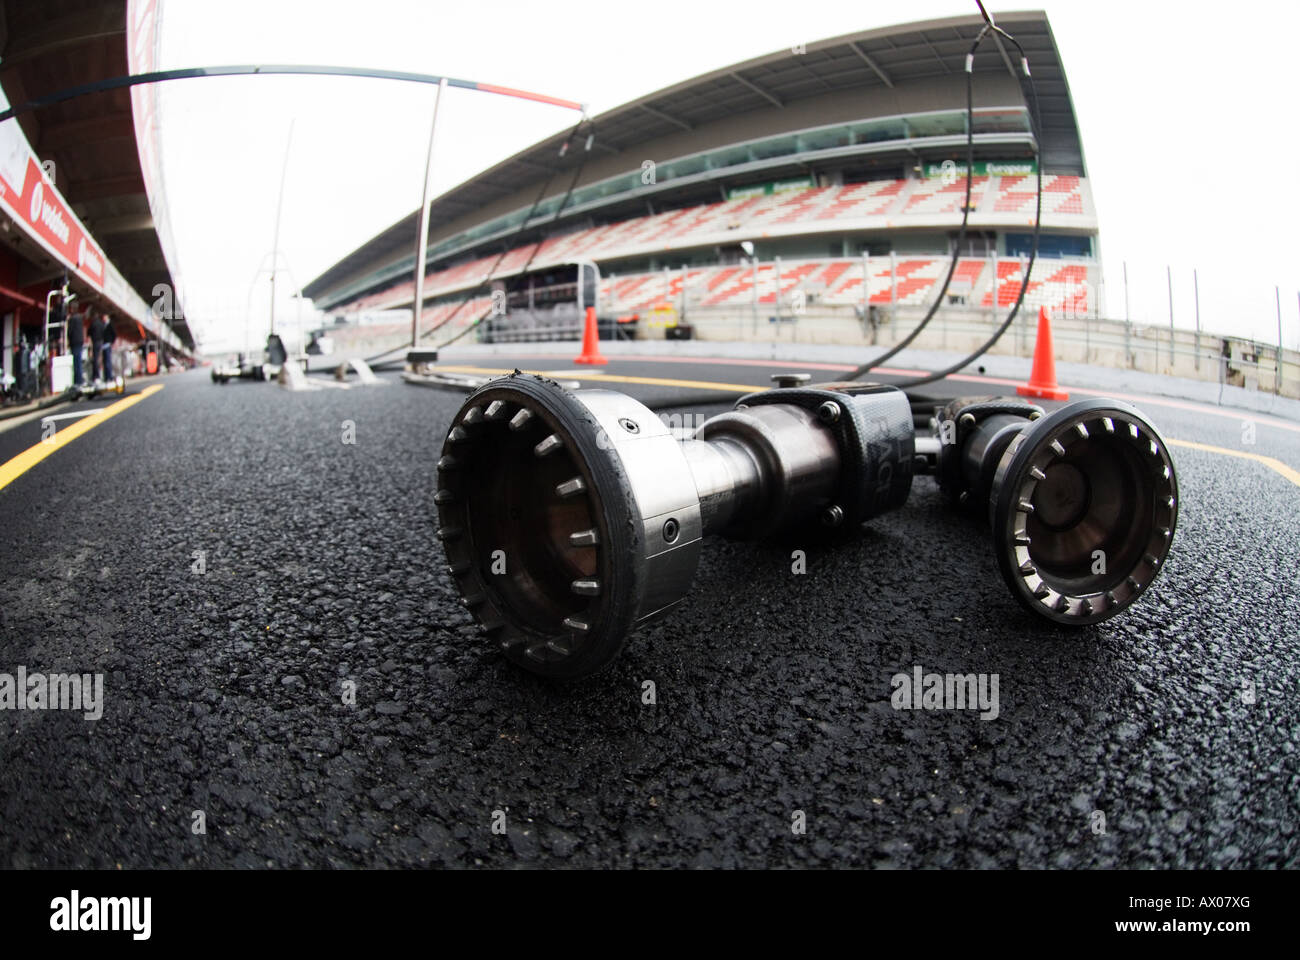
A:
56, 44
876, 59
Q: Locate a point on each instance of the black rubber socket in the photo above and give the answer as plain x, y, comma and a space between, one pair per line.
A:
876, 439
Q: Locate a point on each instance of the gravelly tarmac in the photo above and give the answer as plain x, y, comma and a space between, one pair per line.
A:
224, 689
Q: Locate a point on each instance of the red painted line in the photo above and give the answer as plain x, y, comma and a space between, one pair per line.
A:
526, 95
738, 362
975, 378
793, 364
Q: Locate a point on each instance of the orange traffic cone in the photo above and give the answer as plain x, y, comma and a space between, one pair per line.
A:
1042, 376
590, 341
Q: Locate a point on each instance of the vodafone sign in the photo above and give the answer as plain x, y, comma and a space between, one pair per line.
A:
51, 220
89, 259
40, 212
47, 213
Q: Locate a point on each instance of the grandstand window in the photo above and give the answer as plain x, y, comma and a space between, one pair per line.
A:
728, 157
686, 167
825, 139
546, 208
597, 191
947, 124
877, 131
892, 171
775, 147
1001, 121
611, 187
1049, 245
510, 220
978, 244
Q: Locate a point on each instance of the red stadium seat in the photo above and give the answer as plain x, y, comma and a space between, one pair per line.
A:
750, 217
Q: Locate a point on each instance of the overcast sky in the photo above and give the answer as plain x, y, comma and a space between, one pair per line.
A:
1187, 130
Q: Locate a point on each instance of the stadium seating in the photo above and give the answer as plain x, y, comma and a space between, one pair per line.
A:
833, 282
1065, 287
790, 280
459, 315
863, 200
742, 282
934, 196
801, 205
1062, 195
884, 203
838, 282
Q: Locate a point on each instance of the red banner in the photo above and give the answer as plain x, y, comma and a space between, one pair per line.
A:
49, 218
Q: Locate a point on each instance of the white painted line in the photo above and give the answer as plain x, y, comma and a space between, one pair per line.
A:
71, 416
291, 377
366, 375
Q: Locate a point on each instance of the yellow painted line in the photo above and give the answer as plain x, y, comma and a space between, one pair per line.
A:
1271, 463
612, 378
15, 468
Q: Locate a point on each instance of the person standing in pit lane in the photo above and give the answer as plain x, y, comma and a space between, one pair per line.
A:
110, 337
96, 349
76, 332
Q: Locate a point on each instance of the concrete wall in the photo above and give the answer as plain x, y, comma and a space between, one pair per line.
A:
1110, 343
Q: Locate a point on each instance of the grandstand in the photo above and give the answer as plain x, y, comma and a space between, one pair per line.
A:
826, 183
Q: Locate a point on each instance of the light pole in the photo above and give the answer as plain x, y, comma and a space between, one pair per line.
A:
422, 240
1169, 277
279, 208
1277, 296
1128, 323
1196, 291
753, 291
